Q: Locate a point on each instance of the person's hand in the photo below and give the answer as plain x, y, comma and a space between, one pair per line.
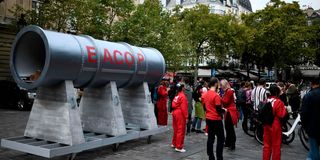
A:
225, 109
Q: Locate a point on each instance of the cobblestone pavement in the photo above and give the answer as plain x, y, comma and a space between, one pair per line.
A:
12, 123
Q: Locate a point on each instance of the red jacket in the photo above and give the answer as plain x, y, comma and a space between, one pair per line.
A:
228, 102
162, 93
180, 102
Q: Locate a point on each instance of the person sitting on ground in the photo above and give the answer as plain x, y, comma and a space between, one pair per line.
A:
35, 76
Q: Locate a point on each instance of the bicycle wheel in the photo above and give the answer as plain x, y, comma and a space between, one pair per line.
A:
287, 139
304, 138
259, 134
249, 130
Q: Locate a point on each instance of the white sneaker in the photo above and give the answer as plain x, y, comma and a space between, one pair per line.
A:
172, 146
206, 134
180, 150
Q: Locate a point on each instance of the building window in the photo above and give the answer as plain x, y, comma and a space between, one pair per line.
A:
35, 4
309, 23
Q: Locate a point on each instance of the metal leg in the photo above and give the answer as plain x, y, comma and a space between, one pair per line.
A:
149, 139
72, 156
115, 147
101, 112
55, 116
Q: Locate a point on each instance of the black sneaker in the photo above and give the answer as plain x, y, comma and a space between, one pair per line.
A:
199, 131
193, 130
232, 148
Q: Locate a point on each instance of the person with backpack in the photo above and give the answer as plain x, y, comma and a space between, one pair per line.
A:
310, 118
188, 92
232, 114
273, 111
241, 98
179, 119
294, 98
248, 105
199, 110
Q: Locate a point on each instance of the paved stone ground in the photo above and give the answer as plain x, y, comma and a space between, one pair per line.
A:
12, 123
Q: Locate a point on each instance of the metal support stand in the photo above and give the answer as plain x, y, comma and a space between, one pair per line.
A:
101, 112
55, 115
137, 107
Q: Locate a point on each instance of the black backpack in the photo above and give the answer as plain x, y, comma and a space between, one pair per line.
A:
265, 113
241, 96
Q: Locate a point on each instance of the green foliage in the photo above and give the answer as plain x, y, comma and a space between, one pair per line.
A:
275, 37
93, 17
281, 36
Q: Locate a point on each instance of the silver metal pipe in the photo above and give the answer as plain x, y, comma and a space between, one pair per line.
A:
86, 61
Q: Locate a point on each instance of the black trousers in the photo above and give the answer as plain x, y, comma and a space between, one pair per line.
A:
189, 123
215, 128
230, 132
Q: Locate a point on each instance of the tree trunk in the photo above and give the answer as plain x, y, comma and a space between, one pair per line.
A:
248, 70
258, 66
196, 68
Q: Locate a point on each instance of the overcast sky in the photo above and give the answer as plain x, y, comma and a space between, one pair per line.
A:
260, 4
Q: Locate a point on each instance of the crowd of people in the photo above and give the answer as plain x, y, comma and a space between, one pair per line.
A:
221, 104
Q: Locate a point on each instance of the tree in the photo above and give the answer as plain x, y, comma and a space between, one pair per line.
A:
93, 17
205, 34
151, 26
281, 36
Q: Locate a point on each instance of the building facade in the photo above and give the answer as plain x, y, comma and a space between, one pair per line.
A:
222, 7
313, 16
235, 7
8, 31
6, 15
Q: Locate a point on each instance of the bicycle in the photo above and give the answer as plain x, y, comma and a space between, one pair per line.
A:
288, 133
301, 132
252, 121
286, 139
255, 128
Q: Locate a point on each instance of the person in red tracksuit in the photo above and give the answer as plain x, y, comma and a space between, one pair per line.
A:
179, 119
272, 135
231, 116
162, 104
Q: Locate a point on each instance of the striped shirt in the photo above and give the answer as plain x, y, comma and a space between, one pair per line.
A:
258, 95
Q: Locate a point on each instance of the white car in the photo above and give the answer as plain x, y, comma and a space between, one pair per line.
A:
268, 84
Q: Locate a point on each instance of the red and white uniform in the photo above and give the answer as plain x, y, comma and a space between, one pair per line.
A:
179, 119
162, 105
272, 135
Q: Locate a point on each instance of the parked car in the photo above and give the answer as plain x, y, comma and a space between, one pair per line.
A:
268, 84
13, 96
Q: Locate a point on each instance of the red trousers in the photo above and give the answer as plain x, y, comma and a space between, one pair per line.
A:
179, 128
162, 112
272, 139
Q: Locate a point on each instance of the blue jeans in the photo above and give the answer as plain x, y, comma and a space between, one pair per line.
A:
196, 123
314, 153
